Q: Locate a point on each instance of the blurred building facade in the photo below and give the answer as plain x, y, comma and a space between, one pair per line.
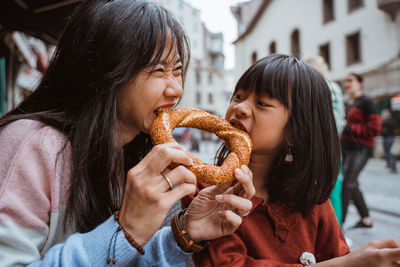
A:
29, 30
205, 83
23, 60
361, 36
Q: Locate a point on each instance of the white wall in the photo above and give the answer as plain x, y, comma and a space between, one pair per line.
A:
216, 88
379, 34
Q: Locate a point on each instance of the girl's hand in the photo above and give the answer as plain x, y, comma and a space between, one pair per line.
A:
218, 210
382, 253
148, 196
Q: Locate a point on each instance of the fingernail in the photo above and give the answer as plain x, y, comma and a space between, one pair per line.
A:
190, 161
238, 173
219, 197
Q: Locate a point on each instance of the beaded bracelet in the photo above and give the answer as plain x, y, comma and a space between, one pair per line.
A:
181, 236
128, 237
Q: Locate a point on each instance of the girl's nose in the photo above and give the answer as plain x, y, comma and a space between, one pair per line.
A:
242, 109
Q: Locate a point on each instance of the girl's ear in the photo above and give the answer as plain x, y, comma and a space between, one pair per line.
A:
289, 141
289, 136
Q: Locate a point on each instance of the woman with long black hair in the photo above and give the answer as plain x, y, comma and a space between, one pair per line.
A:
76, 157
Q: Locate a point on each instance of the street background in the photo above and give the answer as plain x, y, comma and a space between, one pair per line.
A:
361, 36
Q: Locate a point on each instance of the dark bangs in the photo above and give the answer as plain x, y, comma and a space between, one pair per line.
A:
166, 28
271, 76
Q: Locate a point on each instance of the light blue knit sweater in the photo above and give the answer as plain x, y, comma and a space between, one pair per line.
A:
92, 249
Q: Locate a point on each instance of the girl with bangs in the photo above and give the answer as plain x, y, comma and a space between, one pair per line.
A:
285, 106
81, 183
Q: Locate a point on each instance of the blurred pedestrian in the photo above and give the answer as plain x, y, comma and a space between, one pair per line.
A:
320, 65
362, 125
81, 183
195, 144
388, 135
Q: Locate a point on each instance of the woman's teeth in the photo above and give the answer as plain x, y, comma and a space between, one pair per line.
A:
158, 111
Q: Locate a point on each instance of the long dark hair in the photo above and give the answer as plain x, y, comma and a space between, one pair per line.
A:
310, 178
103, 47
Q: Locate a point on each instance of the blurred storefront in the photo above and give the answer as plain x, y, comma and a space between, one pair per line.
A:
29, 30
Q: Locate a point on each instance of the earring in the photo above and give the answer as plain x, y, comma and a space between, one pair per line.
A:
289, 156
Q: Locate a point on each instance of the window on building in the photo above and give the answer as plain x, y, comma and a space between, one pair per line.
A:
272, 48
353, 48
253, 57
295, 43
325, 52
328, 10
198, 77
210, 98
198, 98
210, 78
354, 4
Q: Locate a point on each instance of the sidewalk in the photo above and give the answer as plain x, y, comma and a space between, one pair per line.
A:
381, 188
381, 192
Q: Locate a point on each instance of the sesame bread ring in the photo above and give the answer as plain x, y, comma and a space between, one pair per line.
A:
237, 141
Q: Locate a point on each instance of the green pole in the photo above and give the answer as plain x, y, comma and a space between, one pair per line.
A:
2, 86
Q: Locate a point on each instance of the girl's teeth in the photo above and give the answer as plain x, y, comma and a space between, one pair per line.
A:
239, 127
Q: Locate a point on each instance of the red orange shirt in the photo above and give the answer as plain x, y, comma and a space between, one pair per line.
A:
273, 236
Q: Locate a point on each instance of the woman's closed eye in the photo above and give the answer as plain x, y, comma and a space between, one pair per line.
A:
155, 70
178, 69
159, 69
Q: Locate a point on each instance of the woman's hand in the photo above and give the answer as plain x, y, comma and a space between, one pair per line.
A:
148, 196
217, 210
